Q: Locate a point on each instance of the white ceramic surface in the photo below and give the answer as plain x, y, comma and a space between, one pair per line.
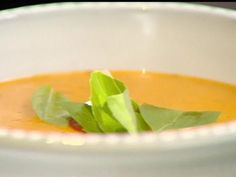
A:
169, 37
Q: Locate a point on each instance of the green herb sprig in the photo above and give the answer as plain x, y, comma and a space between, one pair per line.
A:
112, 110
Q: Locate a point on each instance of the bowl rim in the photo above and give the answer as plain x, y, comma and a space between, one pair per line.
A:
145, 6
167, 140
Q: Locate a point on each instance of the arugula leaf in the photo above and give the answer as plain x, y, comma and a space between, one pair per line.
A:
161, 118
101, 87
122, 109
82, 114
46, 103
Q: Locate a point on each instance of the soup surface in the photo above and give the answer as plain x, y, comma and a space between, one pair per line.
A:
164, 90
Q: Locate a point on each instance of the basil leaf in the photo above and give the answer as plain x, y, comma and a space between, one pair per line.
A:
108, 123
190, 119
158, 118
101, 87
141, 124
110, 109
82, 114
46, 103
122, 109
135, 106
161, 118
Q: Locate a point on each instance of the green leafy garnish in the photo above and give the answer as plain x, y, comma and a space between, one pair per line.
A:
46, 103
161, 118
141, 124
82, 114
112, 110
102, 87
122, 109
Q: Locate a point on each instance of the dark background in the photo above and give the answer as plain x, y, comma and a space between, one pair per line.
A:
6, 4
229, 5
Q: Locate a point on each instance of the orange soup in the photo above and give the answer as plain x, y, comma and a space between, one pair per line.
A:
164, 90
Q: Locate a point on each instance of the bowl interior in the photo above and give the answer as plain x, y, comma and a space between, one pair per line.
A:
176, 38
168, 37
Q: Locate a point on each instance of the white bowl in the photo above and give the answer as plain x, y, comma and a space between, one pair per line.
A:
170, 37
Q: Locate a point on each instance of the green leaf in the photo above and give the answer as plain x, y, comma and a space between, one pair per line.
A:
101, 87
158, 118
112, 110
82, 114
161, 118
108, 123
46, 103
135, 106
141, 124
121, 108
189, 119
